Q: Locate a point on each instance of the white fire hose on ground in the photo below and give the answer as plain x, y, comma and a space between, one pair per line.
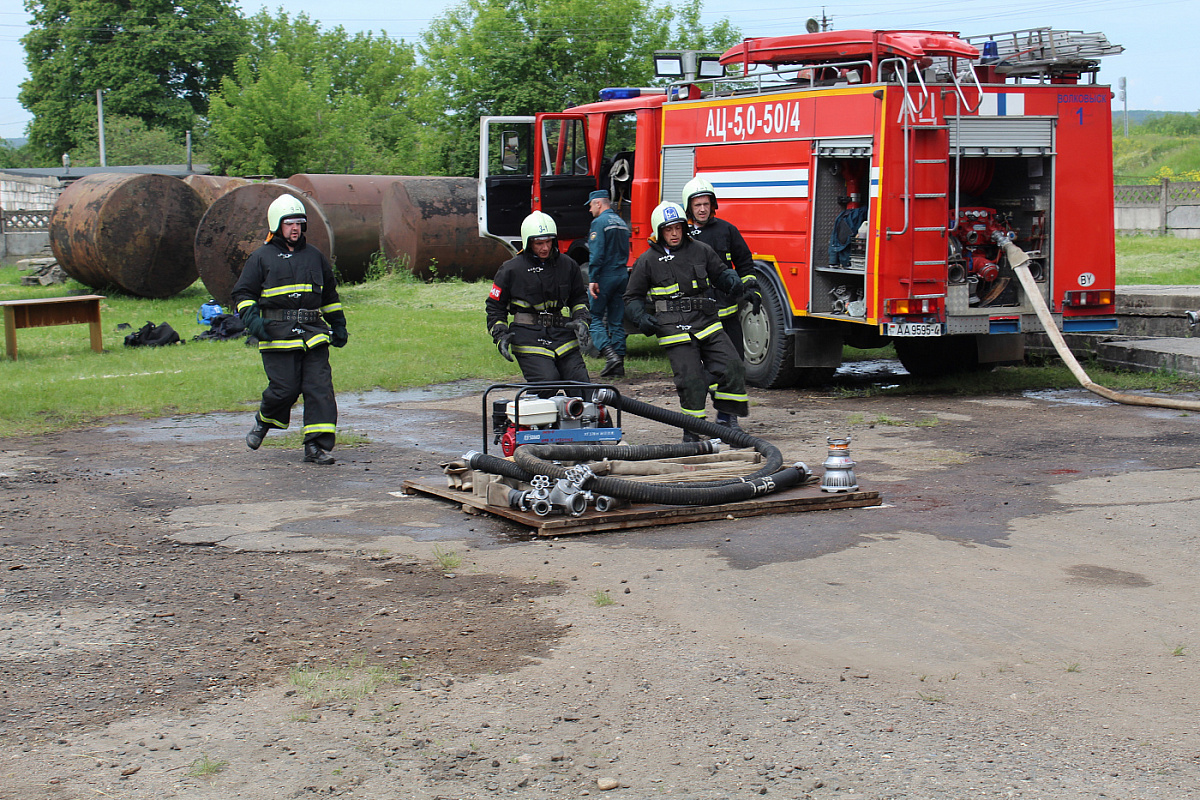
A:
1018, 260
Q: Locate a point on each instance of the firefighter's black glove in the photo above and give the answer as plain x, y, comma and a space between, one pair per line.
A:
648, 325
337, 328
252, 319
582, 332
753, 294
732, 285
502, 336
503, 344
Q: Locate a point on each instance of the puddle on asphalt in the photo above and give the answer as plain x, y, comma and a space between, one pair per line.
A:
372, 414
1067, 397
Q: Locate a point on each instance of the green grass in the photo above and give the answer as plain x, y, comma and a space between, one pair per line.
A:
1161, 261
402, 334
602, 598
1142, 157
405, 334
205, 767
351, 682
448, 560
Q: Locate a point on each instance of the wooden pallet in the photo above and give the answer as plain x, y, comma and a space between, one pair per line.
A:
796, 499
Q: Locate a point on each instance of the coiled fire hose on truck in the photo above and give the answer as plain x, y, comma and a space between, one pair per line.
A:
1018, 260
532, 460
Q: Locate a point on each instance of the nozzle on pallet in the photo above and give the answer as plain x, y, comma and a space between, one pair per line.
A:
839, 467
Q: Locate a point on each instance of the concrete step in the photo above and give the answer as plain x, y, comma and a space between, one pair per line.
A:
1153, 333
1135, 353
1155, 310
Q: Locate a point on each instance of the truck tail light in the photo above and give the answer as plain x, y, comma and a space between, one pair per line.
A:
1088, 297
911, 306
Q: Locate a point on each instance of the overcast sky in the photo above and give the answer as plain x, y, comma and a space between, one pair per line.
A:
1159, 35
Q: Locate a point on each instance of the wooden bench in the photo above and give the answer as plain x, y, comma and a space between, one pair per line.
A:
51, 311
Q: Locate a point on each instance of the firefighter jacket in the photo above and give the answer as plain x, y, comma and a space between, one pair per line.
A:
296, 294
542, 297
608, 245
726, 239
672, 286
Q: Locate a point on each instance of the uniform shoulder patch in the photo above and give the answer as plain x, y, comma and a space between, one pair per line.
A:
495, 292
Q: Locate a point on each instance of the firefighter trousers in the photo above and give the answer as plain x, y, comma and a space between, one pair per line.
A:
701, 366
608, 311
732, 325
542, 369
290, 374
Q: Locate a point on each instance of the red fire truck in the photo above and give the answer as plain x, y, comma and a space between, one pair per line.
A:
881, 178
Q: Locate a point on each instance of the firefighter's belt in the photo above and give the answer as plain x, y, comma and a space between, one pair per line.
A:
704, 305
306, 316
545, 318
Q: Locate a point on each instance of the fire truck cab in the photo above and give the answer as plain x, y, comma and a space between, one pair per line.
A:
882, 179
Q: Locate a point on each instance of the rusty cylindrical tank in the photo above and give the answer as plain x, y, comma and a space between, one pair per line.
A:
433, 222
211, 187
133, 232
353, 205
235, 225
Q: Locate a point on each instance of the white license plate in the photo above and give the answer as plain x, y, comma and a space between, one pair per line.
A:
914, 329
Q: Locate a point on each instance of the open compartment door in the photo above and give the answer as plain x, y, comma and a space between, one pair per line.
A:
567, 175
507, 158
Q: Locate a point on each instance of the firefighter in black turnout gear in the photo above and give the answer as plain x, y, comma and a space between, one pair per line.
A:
287, 297
668, 297
543, 290
700, 201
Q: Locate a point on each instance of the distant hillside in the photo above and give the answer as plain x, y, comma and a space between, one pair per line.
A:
15, 143
1137, 117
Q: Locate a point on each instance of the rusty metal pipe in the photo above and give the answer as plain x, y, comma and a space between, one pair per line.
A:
235, 225
133, 232
211, 187
432, 222
353, 204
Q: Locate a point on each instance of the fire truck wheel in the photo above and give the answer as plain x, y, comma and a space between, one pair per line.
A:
770, 353
936, 356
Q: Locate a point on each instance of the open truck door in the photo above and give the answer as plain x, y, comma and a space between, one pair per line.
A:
507, 162
566, 177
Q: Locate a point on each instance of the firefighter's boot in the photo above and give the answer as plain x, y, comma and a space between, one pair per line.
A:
315, 455
728, 420
254, 438
614, 364
690, 436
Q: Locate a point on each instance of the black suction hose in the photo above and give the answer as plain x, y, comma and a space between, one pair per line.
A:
531, 460
737, 437
538, 459
646, 452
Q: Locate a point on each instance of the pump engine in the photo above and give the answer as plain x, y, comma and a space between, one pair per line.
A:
550, 420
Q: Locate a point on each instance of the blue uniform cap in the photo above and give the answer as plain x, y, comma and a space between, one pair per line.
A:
599, 194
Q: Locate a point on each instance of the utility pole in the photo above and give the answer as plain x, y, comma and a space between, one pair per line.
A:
100, 116
1125, 103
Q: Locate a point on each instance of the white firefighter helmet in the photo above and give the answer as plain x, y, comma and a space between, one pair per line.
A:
537, 225
695, 187
286, 206
667, 213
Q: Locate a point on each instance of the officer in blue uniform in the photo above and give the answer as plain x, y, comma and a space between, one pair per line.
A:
608, 272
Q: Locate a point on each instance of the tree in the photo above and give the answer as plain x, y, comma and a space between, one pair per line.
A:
307, 100
522, 56
127, 140
155, 60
